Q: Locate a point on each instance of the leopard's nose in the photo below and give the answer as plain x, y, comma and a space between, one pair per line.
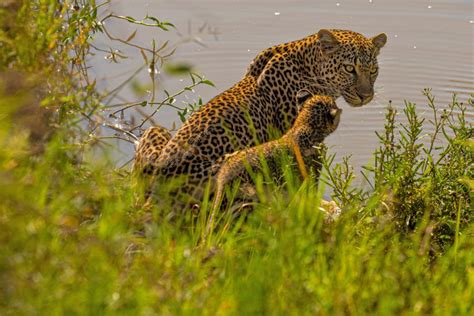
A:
365, 97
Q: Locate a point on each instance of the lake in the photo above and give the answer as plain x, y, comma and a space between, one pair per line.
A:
430, 44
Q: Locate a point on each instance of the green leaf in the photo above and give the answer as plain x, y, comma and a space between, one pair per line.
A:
208, 82
144, 55
192, 77
153, 19
131, 36
182, 116
162, 46
177, 69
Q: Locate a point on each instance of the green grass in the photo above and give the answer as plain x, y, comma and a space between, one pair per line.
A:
76, 241
76, 238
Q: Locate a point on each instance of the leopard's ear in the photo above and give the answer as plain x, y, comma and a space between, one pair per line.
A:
379, 41
335, 113
329, 43
302, 96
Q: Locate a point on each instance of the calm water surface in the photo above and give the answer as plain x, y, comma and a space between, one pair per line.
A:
430, 44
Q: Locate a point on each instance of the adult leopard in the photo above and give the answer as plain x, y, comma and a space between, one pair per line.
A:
331, 62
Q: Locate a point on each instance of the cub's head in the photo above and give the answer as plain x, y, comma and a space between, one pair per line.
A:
347, 63
318, 113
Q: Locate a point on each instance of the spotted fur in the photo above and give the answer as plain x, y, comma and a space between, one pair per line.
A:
149, 147
331, 62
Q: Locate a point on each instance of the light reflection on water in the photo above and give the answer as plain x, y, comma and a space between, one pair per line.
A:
430, 44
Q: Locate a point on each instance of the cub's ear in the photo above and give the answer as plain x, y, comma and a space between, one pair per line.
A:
335, 113
379, 41
302, 96
329, 43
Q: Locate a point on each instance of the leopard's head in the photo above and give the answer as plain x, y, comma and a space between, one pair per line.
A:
347, 64
318, 113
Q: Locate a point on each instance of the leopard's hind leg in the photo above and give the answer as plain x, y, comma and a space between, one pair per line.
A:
149, 148
147, 153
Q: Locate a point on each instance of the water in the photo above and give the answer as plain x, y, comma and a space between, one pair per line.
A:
430, 44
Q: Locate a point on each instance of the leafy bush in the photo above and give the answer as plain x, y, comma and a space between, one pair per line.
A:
419, 177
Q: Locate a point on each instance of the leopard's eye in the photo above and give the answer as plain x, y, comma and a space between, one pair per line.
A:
374, 71
349, 68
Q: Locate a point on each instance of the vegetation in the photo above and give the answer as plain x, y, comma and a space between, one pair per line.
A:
77, 239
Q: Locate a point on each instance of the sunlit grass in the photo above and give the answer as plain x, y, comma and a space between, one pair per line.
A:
74, 242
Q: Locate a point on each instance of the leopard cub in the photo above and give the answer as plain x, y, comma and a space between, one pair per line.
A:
318, 117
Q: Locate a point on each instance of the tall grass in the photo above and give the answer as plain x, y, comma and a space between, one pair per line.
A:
76, 240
